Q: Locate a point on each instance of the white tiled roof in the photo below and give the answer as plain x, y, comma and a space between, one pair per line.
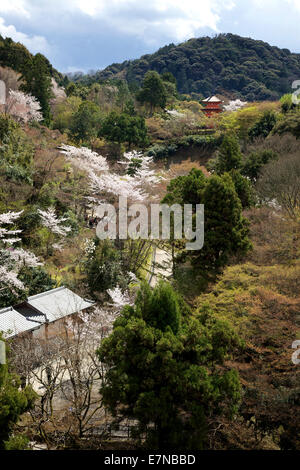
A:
58, 303
212, 99
12, 323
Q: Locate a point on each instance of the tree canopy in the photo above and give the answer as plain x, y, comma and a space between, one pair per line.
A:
164, 370
153, 91
226, 230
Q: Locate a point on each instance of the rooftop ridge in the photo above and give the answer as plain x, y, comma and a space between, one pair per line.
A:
42, 294
6, 309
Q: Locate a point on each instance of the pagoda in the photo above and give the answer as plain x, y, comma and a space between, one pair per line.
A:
212, 105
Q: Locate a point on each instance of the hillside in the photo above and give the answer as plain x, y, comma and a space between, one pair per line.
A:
15, 56
230, 64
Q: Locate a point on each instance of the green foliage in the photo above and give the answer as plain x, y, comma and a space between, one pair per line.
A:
35, 280
9, 297
16, 56
134, 165
287, 103
186, 189
103, 268
36, 76
16, 153
153, 91
13, 402
162, 370
243, 188
85, 122
77, 90
64, 112
7, 126
159, 151
159, 308
252, 70
289, 124
253, 163
226, 230
263, 126
123, 127
229, 156
168, 77
18, 442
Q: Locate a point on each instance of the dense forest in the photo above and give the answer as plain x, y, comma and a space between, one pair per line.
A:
225, 64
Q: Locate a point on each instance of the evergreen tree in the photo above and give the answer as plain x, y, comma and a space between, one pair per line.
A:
229, 155
243, 188
226, 230
85, 122
162, 370
37, 82
153, 91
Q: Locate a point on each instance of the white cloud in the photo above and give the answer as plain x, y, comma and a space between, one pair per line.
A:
294, 3
15, 6
173, 18
33, 43
177, 19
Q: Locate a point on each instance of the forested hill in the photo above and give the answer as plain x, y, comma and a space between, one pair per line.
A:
16, 56
243, 67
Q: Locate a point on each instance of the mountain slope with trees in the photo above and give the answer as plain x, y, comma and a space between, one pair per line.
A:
244, 67
17, 57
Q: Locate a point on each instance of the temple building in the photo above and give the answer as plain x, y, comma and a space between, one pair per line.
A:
212, 105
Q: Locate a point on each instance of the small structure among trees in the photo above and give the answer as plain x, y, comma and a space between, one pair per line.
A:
41, 314
212, 105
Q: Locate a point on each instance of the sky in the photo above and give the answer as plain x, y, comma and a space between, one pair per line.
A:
91, 34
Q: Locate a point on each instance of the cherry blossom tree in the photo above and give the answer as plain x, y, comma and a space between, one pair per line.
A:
119, 298
235, 105
84, 158
138, 166
54, 223
102, 181
22, 107
57, 230
12, 259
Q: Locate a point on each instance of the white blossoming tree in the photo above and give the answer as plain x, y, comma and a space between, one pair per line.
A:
235, 105
57, 230
119, 298
104, 183
12, 259
22, 107
133, 182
